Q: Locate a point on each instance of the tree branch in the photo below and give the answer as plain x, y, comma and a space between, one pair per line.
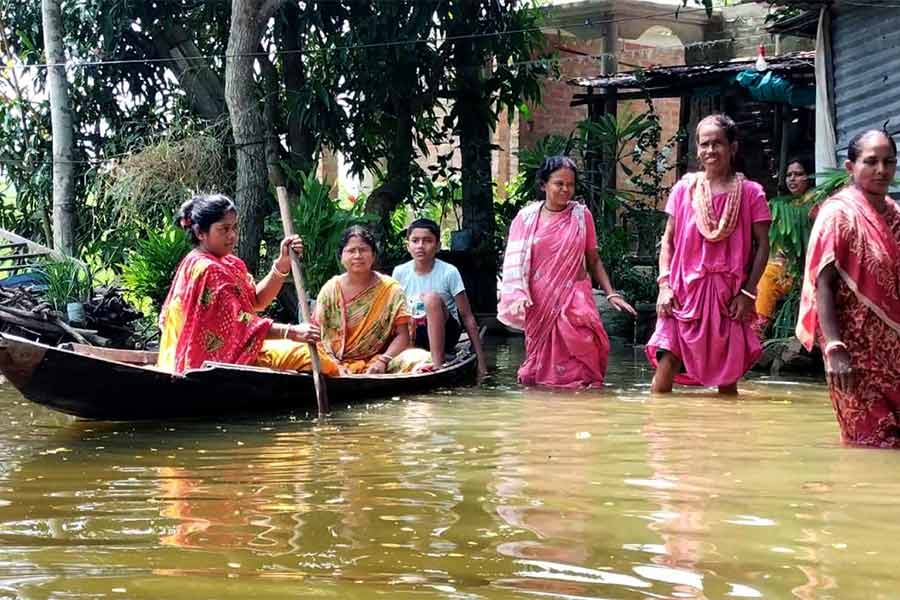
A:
267, 11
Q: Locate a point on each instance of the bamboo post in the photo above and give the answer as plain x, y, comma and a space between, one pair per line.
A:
297, 272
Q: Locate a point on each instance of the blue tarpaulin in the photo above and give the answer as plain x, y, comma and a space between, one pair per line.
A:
770, 87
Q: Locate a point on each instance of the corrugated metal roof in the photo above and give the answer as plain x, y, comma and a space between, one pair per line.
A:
698, 75
866, 70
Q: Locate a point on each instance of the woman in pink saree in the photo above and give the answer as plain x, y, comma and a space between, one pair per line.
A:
850, 301
714, 250
551, 256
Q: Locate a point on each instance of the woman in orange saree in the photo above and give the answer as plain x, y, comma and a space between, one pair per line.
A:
850, 301
210, 311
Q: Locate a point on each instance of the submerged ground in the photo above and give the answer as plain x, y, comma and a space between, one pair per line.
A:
490, 492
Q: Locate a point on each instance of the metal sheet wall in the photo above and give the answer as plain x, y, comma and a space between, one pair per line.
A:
866, 54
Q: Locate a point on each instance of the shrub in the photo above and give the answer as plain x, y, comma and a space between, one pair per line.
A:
151, 266
319, 221
67, 281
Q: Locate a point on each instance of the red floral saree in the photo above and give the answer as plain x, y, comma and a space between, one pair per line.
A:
864, 247
208, 314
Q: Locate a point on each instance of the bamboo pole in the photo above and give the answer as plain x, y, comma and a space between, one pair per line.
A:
297, 272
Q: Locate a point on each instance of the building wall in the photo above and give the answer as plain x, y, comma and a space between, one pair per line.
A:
866, 71
554, 115
743, 30
633, 55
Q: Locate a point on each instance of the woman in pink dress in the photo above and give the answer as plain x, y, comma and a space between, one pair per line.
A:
551, 257
714, 250
850, 302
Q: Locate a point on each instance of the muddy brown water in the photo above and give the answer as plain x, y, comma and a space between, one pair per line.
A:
489, 492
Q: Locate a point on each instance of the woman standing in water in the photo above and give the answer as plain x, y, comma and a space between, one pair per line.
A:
714, 250
778, 278
551, 257
851, 295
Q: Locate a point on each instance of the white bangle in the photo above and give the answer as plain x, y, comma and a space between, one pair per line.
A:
832, 346
613, 295
287, 330
748, 294
278, 273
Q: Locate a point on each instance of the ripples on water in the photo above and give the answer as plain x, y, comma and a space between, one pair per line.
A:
486, 493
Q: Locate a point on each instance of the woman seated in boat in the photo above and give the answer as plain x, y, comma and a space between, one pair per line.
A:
363, 316
211, 311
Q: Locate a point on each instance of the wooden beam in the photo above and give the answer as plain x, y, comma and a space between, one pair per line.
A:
24, 267
14, 238
6, 257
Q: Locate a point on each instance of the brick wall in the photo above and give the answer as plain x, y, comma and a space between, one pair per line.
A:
633, 55
554, 115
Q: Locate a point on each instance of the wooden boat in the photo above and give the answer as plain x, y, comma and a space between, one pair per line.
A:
125, 385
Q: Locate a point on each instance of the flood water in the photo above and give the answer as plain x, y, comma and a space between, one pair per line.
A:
491, 492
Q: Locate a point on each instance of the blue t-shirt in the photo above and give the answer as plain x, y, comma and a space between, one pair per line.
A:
444, 279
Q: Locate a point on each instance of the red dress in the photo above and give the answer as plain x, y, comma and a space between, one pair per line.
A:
864, 247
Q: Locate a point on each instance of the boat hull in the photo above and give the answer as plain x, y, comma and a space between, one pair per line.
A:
97, 388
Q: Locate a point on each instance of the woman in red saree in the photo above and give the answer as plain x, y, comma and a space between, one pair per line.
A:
547, 290
210, 312
850, 302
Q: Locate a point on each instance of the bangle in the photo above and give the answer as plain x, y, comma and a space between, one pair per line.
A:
832, 345
662, 276
748, 294
385, 358
287, 330
613, 295
278, 273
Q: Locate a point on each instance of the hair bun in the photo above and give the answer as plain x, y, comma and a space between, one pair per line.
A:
183, 217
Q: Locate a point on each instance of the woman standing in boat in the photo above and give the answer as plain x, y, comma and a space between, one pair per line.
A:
211, 311
850, 301
550, 259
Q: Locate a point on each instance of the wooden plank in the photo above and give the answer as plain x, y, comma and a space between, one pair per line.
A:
6, 257
132, 357
13, 245
20, 267
14, 238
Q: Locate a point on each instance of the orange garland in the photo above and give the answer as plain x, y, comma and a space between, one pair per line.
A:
704, 213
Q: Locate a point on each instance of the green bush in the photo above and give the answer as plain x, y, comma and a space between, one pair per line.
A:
637, 286
67, 281
151, 266
320, 221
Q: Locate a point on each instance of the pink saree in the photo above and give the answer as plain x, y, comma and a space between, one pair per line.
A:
547, 292
705, 276
864, 247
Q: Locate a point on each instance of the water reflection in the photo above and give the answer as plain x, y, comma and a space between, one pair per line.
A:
497, 493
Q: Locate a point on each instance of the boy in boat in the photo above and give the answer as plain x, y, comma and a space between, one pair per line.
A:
436, 296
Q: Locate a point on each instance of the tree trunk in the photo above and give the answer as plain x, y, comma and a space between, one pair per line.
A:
62, 131
202, 85
396, 186
301, 143
248, 127
474, 132
274, 149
